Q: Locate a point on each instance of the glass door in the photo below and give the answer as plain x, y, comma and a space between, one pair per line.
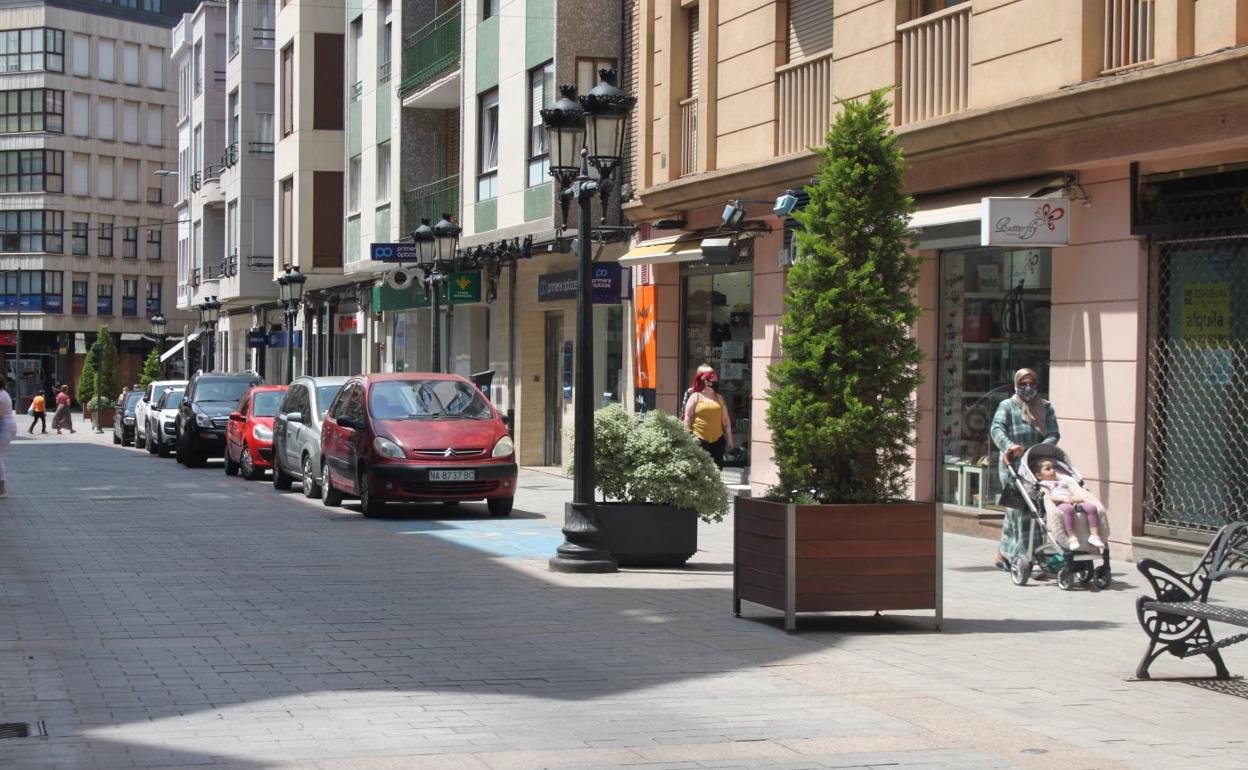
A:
719, 331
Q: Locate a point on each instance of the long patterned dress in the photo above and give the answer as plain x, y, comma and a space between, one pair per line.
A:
1009, 427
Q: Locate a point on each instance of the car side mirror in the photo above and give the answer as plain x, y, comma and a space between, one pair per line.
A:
507, 422
293, 417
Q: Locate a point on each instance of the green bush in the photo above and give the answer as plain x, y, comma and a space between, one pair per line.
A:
100, 404
86, 380
841, 407
110, 364
657, 461
151, 369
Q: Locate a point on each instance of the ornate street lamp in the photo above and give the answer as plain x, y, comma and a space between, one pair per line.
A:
209, 314
439, 244
290, 288
158, 328
605, 109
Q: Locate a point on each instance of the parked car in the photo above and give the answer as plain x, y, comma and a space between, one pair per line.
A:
151, 394
205, 411
123, 422
413, 437
162, 419
297, 432
249, 433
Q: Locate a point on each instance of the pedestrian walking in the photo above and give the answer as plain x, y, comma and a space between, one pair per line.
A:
63, 418
1021, 421
39, 411
706, 415
684, 400
8, 428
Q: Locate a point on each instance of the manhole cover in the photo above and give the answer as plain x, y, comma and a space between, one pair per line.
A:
22, 730
1236, 687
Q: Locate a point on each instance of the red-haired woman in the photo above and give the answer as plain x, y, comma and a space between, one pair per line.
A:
707, 416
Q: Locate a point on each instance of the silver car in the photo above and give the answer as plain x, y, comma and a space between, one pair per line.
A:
151, 394
297, 432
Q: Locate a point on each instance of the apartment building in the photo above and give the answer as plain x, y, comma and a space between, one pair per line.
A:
85, 224
1119, 121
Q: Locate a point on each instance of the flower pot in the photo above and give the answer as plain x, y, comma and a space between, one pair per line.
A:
647, 535
836, 558
105, 417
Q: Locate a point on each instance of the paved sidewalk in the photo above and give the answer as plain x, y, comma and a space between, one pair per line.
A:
155, 616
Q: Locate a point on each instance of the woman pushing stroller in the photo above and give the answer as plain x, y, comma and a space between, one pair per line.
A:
1021, 421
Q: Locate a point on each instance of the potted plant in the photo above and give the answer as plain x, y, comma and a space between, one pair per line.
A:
102, 409
837, 532
656, 482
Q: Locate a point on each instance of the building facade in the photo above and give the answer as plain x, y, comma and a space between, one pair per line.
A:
1125, 114
87, 227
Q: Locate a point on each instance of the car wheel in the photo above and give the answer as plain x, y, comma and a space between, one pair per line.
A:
116, 438
162, 449
151, 445
250, 471
329, 496
231, 467
187, 455
500, 506
370, 506
311, 489
281, 482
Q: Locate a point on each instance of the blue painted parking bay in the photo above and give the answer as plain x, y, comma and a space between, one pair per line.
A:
507, 537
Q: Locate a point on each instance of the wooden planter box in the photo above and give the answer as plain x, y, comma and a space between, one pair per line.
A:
105, 417
836, 558
647, 535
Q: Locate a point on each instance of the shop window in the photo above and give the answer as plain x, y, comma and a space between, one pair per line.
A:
718, 324
994, 320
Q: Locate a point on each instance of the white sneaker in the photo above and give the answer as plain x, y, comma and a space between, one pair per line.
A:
1095, 541
1073, 544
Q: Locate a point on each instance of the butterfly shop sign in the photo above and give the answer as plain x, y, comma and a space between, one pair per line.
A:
1024, 222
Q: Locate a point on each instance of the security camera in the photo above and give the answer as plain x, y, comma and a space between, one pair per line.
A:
718, 251
785, 204
734, 212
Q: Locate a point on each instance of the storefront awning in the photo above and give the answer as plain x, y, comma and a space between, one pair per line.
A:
680, 248
173, 351
966, 205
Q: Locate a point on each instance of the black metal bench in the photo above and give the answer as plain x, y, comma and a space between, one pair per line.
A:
1177, 619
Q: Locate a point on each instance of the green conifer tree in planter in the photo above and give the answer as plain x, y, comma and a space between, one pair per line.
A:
151, 369
841, 407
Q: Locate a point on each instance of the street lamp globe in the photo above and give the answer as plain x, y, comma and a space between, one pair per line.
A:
607, 109
424, 239
283, 288
158, 325
210, 311
294, 284
565, 130
446, 238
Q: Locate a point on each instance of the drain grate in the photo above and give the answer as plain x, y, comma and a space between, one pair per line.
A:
22, 730
1237, 687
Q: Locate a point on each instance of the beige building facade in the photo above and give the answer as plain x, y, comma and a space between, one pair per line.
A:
1126, 114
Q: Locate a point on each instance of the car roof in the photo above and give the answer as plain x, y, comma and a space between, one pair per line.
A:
168, 382
267, 388
320, 382
411, 377
227, 376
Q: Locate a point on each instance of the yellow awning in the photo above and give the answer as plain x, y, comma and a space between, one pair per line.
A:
664, 250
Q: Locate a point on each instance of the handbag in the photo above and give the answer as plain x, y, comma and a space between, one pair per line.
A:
31, 411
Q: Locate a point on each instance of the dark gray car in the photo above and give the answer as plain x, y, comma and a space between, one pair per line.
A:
297, 432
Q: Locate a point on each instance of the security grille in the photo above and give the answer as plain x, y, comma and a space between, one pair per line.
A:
1196, 476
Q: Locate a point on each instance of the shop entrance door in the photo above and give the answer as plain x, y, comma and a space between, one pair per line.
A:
553, 376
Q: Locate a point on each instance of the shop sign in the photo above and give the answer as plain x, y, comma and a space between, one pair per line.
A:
350, 323
8, 339
1206, 312
413, 296
393, 252
463, 288
1024, 222
278, 339
257, 338
606, 281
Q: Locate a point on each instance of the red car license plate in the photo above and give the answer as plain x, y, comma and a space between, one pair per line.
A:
452, 475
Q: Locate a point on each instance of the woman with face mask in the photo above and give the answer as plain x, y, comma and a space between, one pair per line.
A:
706, 415
1021, 422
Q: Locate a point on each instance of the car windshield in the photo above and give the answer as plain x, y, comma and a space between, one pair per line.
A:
265, 403
173, 399
132, 399
221, 391
160, 391
325, 396
427, 399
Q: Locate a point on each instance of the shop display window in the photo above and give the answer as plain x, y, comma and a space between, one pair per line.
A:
718, 328
994, 319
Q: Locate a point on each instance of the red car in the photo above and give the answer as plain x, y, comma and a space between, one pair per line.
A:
249, 432
414, 437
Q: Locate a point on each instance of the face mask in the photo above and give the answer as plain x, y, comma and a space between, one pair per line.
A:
1027, 392
712, 384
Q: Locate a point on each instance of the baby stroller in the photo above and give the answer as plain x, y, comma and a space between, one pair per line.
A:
1084, 566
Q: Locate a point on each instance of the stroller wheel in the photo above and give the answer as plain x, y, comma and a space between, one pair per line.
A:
1102, 577
1084, 576
1065, 579
1020, 570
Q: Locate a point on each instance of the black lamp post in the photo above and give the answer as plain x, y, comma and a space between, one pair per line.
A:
290, 285
209, 313
158, 328
591, 132
445, 240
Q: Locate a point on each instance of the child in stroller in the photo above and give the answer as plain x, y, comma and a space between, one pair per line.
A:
1065, 494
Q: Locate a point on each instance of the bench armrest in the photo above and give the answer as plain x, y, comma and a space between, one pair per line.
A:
1169, 585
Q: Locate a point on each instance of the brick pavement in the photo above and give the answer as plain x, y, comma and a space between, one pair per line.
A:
155, 616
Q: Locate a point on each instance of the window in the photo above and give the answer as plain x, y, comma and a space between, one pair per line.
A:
104, 181
130, 242
184, 90
383, 172
32, 109
81, 57
130, 296
81, 174
810, 29
129, 179
197, 58
328, 86
79, 299
353, 185
231, 228
32, 171
32, 231
104, 239
235, 24
155, 125
262, 136
31, 50
80, 115
107, 59
152, 307
384, 49
587, 73
357, 45
266, 24
286, 214
107, 120
231, 137
924, 7
155, 243
104, 295
130, 64
288, 89
152, 5
39, 291
79, 239
155, 68
541, 96
488, 8
130, 122
487, 147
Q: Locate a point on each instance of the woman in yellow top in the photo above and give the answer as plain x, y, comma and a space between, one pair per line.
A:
39, 410
706, 415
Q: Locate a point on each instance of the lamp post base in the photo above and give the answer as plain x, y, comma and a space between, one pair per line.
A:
581, 551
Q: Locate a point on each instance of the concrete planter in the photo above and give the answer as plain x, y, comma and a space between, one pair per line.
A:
647, 535
836, 558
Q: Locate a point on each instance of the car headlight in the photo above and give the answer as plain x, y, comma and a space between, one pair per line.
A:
128, 420
203, 420
261, 433
387, 448
504, 447
170, 427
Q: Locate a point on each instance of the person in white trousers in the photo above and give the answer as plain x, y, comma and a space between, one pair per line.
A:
8, 428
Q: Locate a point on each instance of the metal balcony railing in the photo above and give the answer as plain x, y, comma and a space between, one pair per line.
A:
229, 158
806, 100
231, 264
194, 279
1129, 33
935, 64
260, 264
688, 136
357, 90
383, 72
211, 174
260, 148
263, 37
431, 51
197, 181
430, 201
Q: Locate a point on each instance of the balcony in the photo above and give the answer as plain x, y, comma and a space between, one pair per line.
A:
430, 202
431, 63
210, 186
263, 37
1129, 35
260, 264
935, 65
688, 136
805, 93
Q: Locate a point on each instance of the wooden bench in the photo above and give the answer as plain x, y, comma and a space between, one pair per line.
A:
1177, 618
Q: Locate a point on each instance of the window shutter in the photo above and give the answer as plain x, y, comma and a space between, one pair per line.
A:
695, 53
810, 28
